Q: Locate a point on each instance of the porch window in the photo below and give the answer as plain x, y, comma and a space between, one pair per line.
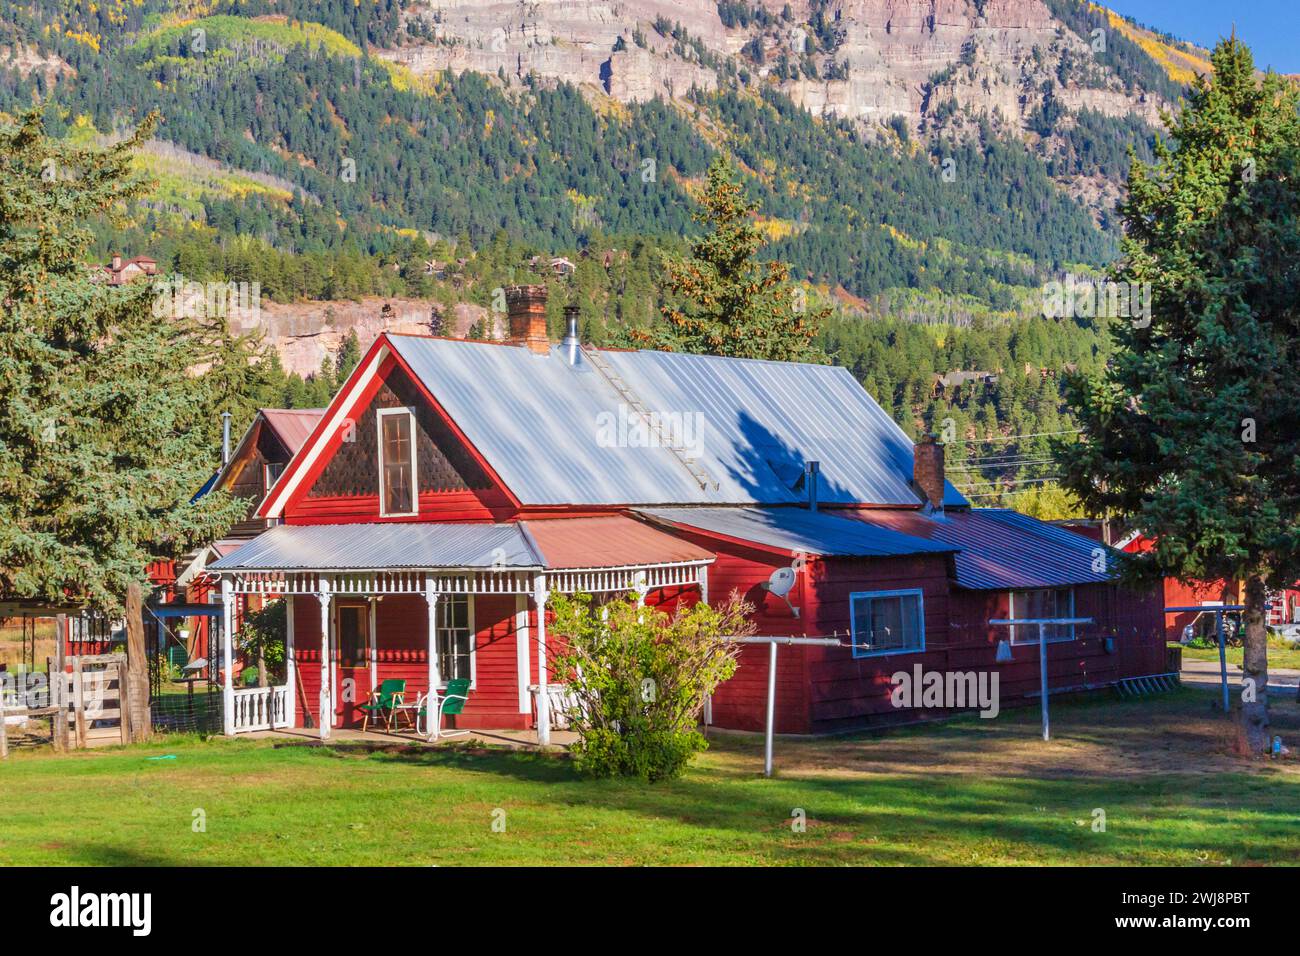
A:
455, 637
887, 622
396, 461
1046, 602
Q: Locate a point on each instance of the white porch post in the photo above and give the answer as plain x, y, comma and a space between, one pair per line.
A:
374, 645
540, 594
326, 691
290, 665
431, 702
228, 656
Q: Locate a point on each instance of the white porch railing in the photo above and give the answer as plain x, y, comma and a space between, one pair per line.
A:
261, 708
562, 702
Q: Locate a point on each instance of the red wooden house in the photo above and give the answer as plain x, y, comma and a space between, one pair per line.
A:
451, 486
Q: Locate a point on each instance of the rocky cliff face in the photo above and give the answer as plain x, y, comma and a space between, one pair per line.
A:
868, 60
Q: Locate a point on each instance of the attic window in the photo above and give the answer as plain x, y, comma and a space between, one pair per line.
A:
271, 474
397, 461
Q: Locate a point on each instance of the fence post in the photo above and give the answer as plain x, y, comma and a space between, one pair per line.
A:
134, 691
59, 685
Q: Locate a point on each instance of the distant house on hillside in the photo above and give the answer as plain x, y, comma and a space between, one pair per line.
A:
944, 384
452, 486
120, 271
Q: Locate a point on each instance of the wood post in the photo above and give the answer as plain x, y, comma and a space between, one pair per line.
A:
134, 690
59, 685
78, 703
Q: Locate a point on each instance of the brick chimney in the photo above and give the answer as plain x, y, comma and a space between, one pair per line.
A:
527, 308
927, 470
117, 262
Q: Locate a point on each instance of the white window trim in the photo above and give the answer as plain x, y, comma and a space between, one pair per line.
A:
920, 615
1031, 629
267, 481
415, 478
473, 642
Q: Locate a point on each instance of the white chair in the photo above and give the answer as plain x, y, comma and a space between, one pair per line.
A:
452, 702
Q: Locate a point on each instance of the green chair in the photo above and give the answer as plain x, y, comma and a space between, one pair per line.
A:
452, 702
384, 702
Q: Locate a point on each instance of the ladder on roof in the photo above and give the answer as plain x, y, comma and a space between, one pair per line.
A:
653, 425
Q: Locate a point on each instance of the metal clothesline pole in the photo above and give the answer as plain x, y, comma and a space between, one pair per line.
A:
1042, 623
772, 643
1219, 610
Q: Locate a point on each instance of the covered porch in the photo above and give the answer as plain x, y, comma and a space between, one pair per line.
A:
419, 605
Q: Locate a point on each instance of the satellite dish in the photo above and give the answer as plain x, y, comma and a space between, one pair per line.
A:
780, 583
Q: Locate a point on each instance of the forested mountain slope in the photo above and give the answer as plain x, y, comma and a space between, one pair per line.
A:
927, 165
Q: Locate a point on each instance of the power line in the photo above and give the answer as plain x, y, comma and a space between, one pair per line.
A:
1023, 481
983, 441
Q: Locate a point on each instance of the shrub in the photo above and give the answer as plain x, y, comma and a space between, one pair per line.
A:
639, 679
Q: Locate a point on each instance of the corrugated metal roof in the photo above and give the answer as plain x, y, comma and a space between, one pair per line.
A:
1001, 549
545, 426
797, 529
607, 541
292, 425
358, 547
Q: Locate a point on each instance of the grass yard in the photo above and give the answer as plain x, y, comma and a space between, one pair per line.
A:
967, 792
1279, 655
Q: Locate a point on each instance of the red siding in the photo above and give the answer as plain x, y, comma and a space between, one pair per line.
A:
844, 690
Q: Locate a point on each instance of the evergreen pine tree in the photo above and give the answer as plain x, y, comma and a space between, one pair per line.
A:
1193, 430
106, 430
734, 304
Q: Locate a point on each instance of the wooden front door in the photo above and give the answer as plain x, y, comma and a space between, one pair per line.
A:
352, 650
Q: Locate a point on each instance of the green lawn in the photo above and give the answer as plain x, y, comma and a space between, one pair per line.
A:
968, 792
1279, 655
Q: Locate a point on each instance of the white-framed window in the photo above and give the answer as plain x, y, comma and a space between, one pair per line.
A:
397, 477
455, 637
1043, 602
887, 622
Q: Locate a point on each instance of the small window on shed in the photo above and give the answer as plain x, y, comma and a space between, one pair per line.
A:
397, 462
887, 622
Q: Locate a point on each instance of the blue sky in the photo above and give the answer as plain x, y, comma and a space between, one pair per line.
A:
1270, 27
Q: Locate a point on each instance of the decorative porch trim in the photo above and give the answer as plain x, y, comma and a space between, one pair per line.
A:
465, 580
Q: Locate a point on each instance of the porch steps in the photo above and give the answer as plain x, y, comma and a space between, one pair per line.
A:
653, 425
1145, 686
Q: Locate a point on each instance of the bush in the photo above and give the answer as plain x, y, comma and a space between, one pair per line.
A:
639, 679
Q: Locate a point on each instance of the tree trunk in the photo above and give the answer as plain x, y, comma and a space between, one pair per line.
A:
261, 664
1254, 707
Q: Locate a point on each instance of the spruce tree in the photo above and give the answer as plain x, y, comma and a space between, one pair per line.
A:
1193, 429
107, 423
733, 304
